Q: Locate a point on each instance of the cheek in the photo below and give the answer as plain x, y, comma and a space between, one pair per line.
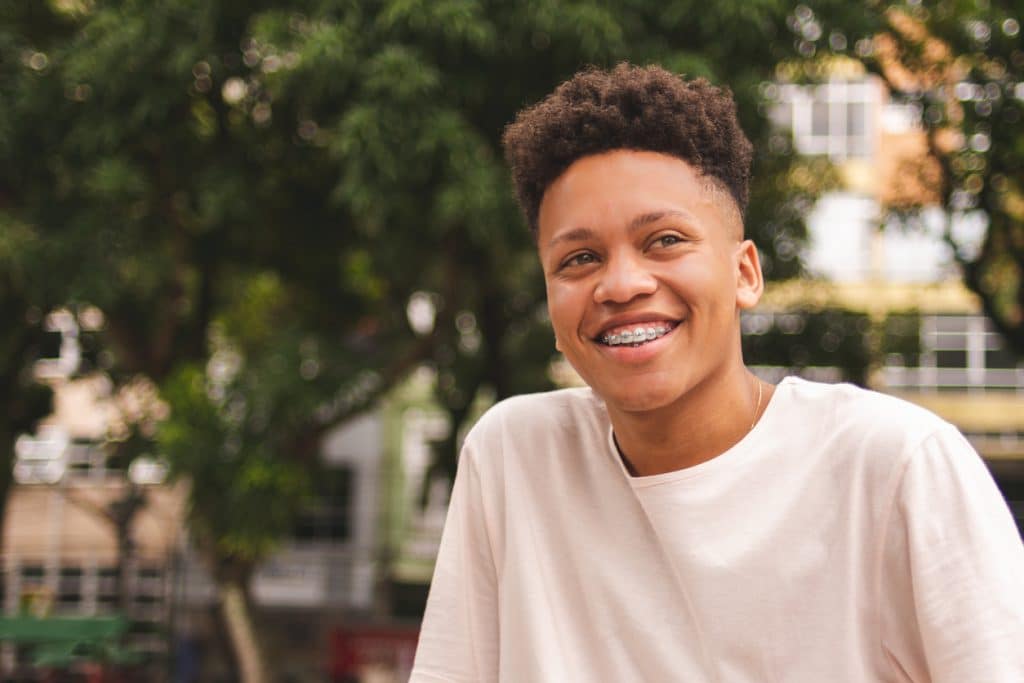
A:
562, 306
567, 306
705, 280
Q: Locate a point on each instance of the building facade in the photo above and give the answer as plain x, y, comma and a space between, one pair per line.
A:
925, 336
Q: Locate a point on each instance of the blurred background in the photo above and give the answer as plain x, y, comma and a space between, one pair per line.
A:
261, 268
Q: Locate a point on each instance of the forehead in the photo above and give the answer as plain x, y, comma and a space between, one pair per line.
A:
615, 188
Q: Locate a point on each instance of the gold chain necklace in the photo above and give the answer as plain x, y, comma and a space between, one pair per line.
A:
757, 408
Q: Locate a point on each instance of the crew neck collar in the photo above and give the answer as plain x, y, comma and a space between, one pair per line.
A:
730, 458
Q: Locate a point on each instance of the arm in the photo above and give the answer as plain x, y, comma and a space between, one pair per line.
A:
459, 637
952, 571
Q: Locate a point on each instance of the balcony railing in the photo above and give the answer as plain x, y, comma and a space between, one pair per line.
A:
973, 380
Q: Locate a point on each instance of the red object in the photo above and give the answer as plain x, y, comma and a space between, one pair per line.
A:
357, 647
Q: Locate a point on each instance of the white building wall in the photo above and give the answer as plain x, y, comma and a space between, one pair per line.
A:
849, 242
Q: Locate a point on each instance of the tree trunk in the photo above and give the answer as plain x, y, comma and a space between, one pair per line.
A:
6, 478
237, 616
121, 513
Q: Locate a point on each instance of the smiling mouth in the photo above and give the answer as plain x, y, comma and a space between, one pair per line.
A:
638, 335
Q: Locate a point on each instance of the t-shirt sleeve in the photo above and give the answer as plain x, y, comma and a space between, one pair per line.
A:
952, 570
459, 637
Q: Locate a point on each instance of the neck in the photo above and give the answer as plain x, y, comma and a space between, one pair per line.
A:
704, 423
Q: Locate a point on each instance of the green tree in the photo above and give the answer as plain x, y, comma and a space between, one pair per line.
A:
254, 192
23, 400
26, 294
427, 88
137, 181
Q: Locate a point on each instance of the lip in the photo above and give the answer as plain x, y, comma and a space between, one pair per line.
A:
626, 353
634, 319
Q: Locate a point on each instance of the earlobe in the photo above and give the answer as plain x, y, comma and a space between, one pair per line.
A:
749, 279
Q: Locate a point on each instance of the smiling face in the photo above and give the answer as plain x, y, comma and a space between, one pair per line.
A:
646, 273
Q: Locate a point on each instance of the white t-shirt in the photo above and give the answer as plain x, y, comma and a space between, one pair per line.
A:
849, 536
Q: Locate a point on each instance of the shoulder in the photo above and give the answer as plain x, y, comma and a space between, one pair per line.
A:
538, 435
853, 410
866, 431
540, 417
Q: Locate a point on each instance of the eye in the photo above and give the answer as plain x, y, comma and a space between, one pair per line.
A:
584, 258
664, 241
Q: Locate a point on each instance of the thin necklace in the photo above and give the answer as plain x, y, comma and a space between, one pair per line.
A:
757, 408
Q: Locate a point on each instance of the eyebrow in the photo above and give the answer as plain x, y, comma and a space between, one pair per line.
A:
583, 234
655, 216
574, 235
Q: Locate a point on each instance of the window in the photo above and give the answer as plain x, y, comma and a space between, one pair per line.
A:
69, 590
32, 574
106, 589
833, 118
149, 592
329, 517
950, 358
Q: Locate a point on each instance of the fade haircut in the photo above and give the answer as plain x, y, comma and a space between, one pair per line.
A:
628, 108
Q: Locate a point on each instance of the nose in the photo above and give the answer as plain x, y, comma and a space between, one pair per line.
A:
623, 279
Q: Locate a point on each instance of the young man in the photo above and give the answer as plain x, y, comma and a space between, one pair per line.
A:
679, 519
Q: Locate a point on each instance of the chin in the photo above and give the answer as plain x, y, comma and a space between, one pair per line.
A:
639, 401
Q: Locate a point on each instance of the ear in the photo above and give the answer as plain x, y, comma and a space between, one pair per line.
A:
749, 279
558, 344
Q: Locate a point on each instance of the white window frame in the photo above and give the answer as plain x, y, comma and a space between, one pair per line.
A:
837, 143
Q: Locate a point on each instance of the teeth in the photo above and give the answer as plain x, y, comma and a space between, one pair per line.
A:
636, 336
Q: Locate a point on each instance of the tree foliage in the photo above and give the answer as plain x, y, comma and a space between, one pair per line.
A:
23, 401
253, 193
272, 182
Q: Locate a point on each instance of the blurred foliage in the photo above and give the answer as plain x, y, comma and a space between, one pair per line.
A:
275, 180
801, 339
236, 473
253, 193
901, 338
24, 297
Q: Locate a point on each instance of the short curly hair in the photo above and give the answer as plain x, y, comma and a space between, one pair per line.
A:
629, 107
